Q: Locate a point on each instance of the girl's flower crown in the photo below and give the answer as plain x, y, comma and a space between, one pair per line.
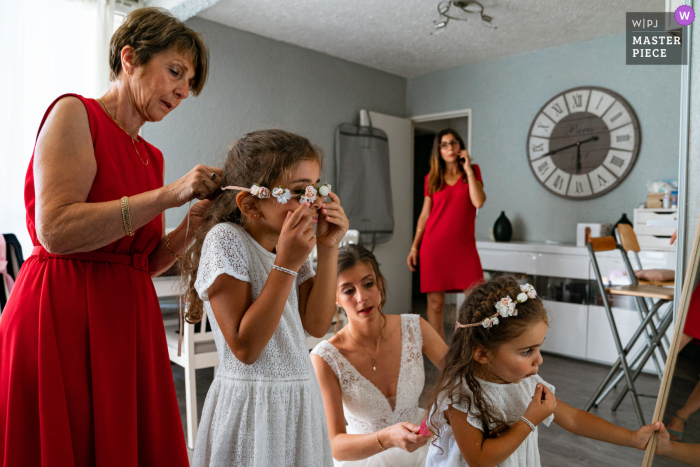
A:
504, 308
282, 195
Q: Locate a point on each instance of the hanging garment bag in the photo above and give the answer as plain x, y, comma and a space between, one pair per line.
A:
363, 181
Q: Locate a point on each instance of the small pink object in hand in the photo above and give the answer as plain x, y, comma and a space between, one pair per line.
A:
424, 428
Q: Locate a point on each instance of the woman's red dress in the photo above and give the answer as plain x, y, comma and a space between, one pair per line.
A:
85, 378
449, 260
692, 319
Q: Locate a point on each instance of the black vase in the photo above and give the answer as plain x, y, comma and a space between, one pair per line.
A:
502, 229
621, 220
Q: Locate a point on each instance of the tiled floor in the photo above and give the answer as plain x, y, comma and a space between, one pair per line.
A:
574, 380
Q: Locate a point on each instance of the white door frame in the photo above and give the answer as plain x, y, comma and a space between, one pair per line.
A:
445, 116
450, 299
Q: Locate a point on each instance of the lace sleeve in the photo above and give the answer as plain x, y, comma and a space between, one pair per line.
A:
463, 406
306, 272
322, 350
223, 252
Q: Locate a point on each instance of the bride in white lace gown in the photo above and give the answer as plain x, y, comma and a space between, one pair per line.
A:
371, 372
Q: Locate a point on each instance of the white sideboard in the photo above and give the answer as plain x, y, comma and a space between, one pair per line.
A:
579, 327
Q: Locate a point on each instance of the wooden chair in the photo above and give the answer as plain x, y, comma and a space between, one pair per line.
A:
198, 351
628, 240
622, 368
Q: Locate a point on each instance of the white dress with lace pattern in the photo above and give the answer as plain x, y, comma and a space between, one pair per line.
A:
509, 401
366, 408
270, 413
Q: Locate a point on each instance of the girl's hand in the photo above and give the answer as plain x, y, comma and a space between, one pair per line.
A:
197, 183
332, 223
404, 435
641, 436
296, 238
542, 405
663, 443
197, 213
412, 260
465, 159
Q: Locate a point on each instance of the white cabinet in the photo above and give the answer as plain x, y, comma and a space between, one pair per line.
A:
568, 323
654, 228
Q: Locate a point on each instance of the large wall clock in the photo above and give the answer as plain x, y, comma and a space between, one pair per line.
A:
583, 142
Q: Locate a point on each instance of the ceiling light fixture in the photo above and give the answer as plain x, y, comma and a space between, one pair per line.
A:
460, 10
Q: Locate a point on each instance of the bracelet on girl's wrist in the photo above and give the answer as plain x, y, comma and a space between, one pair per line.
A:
529, 423
284, 270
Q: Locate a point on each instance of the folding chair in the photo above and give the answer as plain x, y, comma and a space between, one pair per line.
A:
622, 368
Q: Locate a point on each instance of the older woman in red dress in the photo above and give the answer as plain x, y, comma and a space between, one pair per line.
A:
449, 261
85, 377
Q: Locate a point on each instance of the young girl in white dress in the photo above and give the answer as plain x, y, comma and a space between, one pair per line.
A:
371, 372
489, 400
249, 270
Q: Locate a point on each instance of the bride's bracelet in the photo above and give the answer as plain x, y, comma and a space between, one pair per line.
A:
380, 443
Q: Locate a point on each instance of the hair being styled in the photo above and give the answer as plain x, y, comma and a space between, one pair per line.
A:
350, 256
265, 157
459, 364
153, 30
436, 177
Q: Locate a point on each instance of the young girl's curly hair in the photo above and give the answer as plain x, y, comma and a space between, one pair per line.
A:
459, 365
265, 157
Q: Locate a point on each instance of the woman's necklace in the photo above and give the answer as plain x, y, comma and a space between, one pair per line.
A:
127, 133
374, 362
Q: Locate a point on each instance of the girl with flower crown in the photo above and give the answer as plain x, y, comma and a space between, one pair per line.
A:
489, 400
249, 270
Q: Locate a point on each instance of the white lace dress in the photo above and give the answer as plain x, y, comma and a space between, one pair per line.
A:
367, 410
510, 401
270, 413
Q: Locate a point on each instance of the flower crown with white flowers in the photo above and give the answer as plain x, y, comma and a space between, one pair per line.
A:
282, 195
504, 308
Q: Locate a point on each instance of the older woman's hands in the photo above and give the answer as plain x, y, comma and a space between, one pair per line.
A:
403, 435
197, 183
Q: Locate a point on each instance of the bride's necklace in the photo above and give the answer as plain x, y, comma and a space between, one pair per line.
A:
374, 362
127, 133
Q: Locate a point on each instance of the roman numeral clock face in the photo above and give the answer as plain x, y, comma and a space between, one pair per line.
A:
583, 142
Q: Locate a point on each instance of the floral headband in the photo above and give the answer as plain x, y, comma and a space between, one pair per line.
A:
282, 195
504, 308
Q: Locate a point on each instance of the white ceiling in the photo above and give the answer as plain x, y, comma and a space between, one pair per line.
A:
394, 35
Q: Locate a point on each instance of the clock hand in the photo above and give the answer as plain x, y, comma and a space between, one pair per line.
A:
554, 151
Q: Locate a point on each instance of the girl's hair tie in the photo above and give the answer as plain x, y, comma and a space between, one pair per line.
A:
505, 307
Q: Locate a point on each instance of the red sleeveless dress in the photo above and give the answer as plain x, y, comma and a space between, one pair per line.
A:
449, 260
85, 377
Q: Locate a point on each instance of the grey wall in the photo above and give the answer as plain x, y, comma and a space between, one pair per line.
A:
506, 94
693, 181
257, 83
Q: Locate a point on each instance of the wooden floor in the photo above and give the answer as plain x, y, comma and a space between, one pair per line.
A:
574, 381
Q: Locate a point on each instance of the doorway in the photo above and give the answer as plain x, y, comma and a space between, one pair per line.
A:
424, 130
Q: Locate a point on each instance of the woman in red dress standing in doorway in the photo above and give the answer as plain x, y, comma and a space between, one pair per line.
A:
85, 377
449, 261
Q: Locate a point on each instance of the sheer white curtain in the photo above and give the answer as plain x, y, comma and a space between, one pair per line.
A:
47, 48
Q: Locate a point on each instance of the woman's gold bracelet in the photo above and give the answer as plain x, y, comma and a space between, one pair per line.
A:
167, 245
414, 249
126, 216
380, 443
